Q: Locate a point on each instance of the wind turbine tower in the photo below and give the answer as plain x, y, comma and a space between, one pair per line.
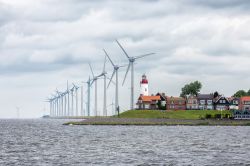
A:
115, 72
131, 65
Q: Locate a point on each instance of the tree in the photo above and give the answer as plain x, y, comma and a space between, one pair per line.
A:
248, 92
216, 94
240, 93
191, 89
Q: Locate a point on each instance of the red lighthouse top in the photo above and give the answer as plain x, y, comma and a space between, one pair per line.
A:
144, 79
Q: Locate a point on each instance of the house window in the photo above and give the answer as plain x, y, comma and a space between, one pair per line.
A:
209, 102
202, 101
235, 102
222, 101
247, 102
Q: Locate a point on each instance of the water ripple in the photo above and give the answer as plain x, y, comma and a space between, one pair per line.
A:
47, 142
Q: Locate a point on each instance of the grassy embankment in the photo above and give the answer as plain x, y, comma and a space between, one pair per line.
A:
181, 114
156, 117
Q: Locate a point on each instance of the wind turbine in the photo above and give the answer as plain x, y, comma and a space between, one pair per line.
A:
50, 100
54, 101
68, 94
56, 105
82, 112
131, 64
65, 103
60, 98
88, 99
104, 74
76, 92
115, 72
72, 101
62, 104
94, 80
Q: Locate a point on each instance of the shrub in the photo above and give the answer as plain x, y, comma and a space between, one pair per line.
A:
217, 116
208, 116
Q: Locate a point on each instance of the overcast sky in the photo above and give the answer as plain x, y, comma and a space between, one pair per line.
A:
44, 43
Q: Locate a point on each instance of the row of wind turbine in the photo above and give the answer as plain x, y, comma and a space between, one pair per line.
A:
57, 101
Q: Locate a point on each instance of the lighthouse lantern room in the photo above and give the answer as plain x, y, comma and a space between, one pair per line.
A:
144, 86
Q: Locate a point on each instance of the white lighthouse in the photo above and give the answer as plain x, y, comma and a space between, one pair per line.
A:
144, 86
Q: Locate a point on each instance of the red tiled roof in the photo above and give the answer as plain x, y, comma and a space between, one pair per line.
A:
245, 98
175, 98
150, 98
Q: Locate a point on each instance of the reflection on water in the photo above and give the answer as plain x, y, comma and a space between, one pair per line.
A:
47, 142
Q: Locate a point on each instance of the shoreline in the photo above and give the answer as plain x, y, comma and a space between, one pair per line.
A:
159, 122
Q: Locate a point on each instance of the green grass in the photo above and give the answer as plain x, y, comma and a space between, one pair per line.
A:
135, 123
180, 114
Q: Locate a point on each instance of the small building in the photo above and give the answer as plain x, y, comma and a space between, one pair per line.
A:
221, 103
175, 103
234, 103
244, 103
162, 103
205, 101
148, 102
192, 103
237, 114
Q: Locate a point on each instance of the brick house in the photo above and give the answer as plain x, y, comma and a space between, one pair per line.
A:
244, 103
175, 103
192, 103
205, 101
148, 102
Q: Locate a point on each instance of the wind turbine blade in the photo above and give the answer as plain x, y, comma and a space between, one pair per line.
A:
126, 74
109, 57
122, 48
111, 80
111, 77
91, 70
99, 75
122, 66
141, 56
104, 65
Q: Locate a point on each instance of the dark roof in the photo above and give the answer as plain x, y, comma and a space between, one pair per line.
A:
162, 95
205, 96
233, 98
219, 97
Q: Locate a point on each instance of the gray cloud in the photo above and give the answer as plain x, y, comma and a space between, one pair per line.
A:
214, 4
54, 40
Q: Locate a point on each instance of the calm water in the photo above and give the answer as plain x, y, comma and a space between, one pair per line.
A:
47, 142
